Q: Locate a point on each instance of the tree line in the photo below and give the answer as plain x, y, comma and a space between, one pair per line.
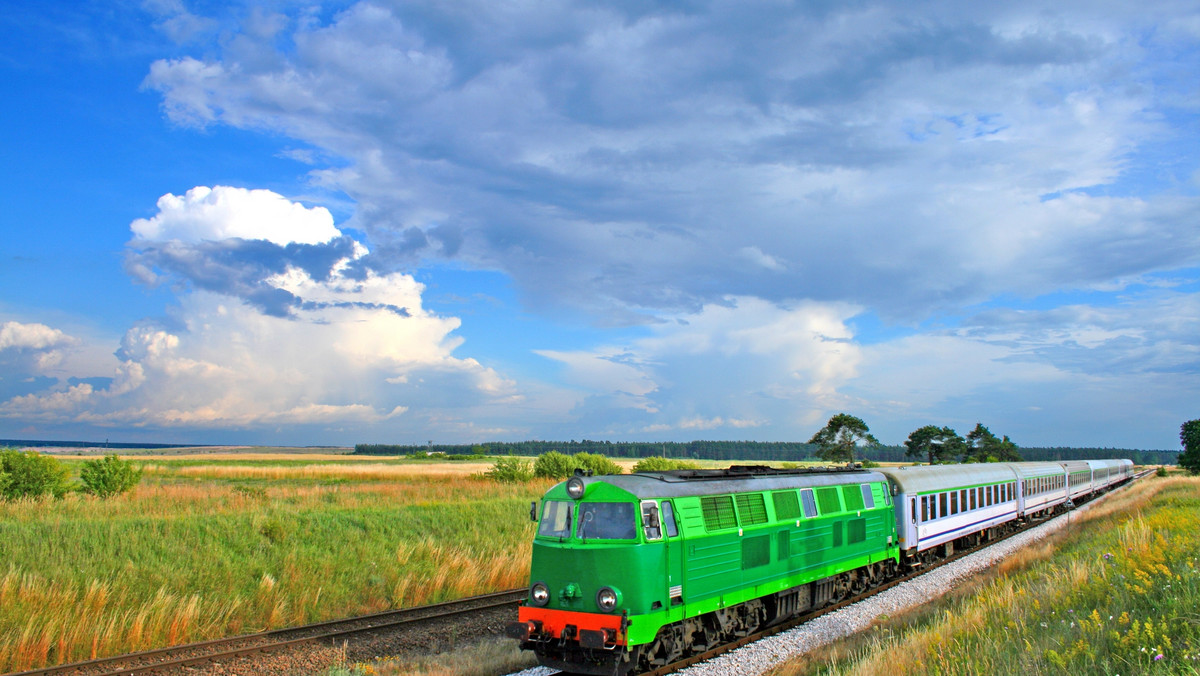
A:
768, 451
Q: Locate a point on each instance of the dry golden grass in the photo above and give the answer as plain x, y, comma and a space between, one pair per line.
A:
372, 471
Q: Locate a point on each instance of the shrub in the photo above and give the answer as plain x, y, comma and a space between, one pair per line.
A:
658, 464
110, 476
510, 470
554, 465
598, 464
31, 475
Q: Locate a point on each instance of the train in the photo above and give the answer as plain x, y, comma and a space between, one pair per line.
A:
634, 571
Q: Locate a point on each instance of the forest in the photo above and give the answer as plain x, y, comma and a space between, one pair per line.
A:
766, 451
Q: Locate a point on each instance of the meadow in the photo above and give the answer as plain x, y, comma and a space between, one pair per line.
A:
226, 544
1116, 593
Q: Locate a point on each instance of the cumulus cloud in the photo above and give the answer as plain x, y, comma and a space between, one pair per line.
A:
206, 214
344, 346
35, 347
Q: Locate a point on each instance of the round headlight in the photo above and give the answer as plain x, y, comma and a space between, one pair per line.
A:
575, 487
539, 594
607, 599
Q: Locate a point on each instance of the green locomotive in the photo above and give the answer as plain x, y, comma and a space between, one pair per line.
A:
634, 571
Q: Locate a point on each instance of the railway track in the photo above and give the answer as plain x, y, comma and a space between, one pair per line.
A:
167, 659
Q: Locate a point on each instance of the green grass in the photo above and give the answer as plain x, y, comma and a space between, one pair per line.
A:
1117, 594
188, 557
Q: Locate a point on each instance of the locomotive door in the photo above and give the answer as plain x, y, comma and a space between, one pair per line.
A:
658, 520
674, 556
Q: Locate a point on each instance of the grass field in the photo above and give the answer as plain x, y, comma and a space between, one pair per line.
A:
228, 544
1117, 593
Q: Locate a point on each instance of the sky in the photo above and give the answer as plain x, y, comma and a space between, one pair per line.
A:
308, 223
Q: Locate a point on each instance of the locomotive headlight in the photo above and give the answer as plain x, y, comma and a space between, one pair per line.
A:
539, 594
575, 487
608, 598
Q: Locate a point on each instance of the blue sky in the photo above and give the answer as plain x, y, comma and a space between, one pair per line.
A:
299, 223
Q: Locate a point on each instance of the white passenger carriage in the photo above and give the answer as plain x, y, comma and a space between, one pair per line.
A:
1043, 486
1079, 479
941, 503
1108, 472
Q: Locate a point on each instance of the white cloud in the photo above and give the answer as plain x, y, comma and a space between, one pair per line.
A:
222, 212
357, 346
18, 336
32, 348
746, 363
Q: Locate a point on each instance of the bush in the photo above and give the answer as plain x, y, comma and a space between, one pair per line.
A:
110, 476
658, 464
31, 475
510, 470
598, 464
554, 465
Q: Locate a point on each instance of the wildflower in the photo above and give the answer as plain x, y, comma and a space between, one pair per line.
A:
1158, 657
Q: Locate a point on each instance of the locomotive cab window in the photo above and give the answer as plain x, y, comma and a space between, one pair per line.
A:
606, 521
651, 520
668, 520
556, 519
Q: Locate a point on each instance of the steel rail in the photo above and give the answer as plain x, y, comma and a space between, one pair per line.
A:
276, 639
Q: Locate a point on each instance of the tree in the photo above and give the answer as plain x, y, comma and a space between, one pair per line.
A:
1189, 437
838, 439
938, 444
983, 446
108, 477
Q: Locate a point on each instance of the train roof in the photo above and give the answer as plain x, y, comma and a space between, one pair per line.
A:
744, 479
926, 478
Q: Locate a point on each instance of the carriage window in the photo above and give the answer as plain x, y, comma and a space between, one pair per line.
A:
943, 499
954, 502
974, 499
556, 519
605, 520
924, 508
